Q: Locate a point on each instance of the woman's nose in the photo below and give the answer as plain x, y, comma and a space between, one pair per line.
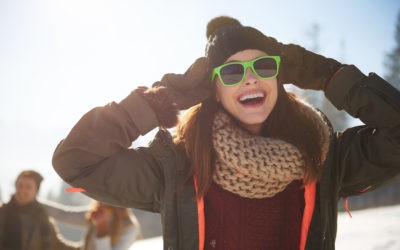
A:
250, 77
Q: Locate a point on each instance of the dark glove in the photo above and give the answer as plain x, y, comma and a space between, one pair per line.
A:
306, 69
177, 92
303, 68
190, 88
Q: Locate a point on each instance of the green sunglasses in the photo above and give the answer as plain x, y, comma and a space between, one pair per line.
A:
233, 73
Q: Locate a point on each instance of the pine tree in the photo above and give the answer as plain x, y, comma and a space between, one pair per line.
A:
393, 60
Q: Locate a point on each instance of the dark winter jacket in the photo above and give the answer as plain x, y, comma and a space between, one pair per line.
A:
29, 228
96, 156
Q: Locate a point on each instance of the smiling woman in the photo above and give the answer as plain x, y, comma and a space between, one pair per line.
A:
251, 166
251, 98
61, 57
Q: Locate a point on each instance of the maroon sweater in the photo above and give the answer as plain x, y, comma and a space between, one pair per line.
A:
233, 222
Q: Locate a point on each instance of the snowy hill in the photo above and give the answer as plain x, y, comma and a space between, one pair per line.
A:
371, 229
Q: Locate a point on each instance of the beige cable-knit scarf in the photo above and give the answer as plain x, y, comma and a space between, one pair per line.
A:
255, 166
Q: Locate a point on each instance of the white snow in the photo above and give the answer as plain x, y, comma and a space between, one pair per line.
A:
155, 243
370, 229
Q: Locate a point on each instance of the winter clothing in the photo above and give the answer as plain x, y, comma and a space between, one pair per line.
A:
252, 166
160, 178
76, 216
226, 36
262, 222
307, 70
70, 215
189, 88
177, 92
304, 68
160, 99
96, 156
115, 228
27, 227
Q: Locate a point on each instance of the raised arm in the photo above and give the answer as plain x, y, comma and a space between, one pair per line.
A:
368, 154
96, 155
365, 156
71, 215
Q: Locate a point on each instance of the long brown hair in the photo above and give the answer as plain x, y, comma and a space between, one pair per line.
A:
119, 216
285, 122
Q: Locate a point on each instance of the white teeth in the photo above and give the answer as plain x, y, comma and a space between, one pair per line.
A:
251, 96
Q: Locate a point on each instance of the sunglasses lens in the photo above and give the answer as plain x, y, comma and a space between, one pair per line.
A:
232, 73
265, 67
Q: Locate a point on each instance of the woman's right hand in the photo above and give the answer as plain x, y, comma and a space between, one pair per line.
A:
190, 88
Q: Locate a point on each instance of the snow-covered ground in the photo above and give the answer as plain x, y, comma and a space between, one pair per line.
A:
148, 244
371, 229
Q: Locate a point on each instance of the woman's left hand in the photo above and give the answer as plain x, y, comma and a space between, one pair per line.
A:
306, 69
190, 88
303, 68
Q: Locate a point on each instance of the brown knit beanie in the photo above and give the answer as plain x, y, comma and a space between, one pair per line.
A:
227, 36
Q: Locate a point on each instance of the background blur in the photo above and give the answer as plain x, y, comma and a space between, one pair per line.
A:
60, 58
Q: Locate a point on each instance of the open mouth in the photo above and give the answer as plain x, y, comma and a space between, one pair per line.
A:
252, 99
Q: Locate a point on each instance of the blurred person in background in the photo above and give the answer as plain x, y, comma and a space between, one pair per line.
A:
107, 227
111, 227
24, 223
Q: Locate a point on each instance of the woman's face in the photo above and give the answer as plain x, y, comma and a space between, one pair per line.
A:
26, 190
252, 100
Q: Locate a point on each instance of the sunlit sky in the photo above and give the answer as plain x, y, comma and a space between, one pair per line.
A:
60, 58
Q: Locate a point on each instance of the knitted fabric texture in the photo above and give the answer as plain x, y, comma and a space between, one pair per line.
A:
252, 166
227, 36
255, 166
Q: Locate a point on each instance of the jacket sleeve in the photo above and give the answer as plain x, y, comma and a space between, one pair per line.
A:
71, 215
97, 157
367, 155
59, 242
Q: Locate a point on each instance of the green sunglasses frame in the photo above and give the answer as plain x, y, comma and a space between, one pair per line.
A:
246, 65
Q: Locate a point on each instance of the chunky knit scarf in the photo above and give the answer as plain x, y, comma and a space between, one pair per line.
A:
254, 166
